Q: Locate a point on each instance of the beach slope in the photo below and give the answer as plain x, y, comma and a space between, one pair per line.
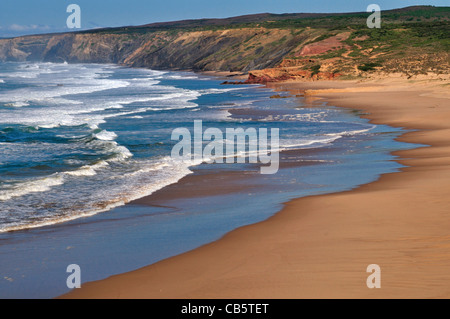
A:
320, 246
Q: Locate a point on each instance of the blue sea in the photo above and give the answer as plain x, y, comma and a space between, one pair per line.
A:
82, 146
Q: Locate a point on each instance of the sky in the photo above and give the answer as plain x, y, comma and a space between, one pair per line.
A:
19, 17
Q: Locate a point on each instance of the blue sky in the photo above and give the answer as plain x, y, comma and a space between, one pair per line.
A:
18, 17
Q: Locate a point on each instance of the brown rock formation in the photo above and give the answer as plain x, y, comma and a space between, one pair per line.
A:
284, 74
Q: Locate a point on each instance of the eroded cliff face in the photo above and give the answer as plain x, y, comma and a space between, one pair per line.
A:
70, 47
242, 50
223, 50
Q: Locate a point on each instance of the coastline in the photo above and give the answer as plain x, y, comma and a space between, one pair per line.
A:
320, 246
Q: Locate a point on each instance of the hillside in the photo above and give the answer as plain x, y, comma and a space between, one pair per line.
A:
413, 40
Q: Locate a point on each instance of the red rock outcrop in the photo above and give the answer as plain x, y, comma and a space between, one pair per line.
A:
284, 74
329, 44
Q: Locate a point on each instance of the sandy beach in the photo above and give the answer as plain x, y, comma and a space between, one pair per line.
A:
320, 246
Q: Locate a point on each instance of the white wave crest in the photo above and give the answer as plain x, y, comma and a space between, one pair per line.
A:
35, 186
106, 135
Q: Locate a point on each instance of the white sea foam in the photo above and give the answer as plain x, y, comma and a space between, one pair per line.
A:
33, 70
181, 77
354, 132
154, 73
88, 170
299, 144
106, 136
139, 185
49, 94
73, 80
219, 91
144, 82
235, 104
83, 171
45, 184
69, 101
17, 104
324, 140
121, 153
34, 186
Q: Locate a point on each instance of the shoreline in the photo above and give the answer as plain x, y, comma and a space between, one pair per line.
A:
319, 246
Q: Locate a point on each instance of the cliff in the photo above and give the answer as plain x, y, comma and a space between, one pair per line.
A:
291, 46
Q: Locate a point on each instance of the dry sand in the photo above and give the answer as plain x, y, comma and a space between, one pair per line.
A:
320, 246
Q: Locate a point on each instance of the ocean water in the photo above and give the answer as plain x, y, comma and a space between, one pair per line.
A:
80, 141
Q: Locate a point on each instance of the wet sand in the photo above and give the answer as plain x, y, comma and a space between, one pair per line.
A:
320, 246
